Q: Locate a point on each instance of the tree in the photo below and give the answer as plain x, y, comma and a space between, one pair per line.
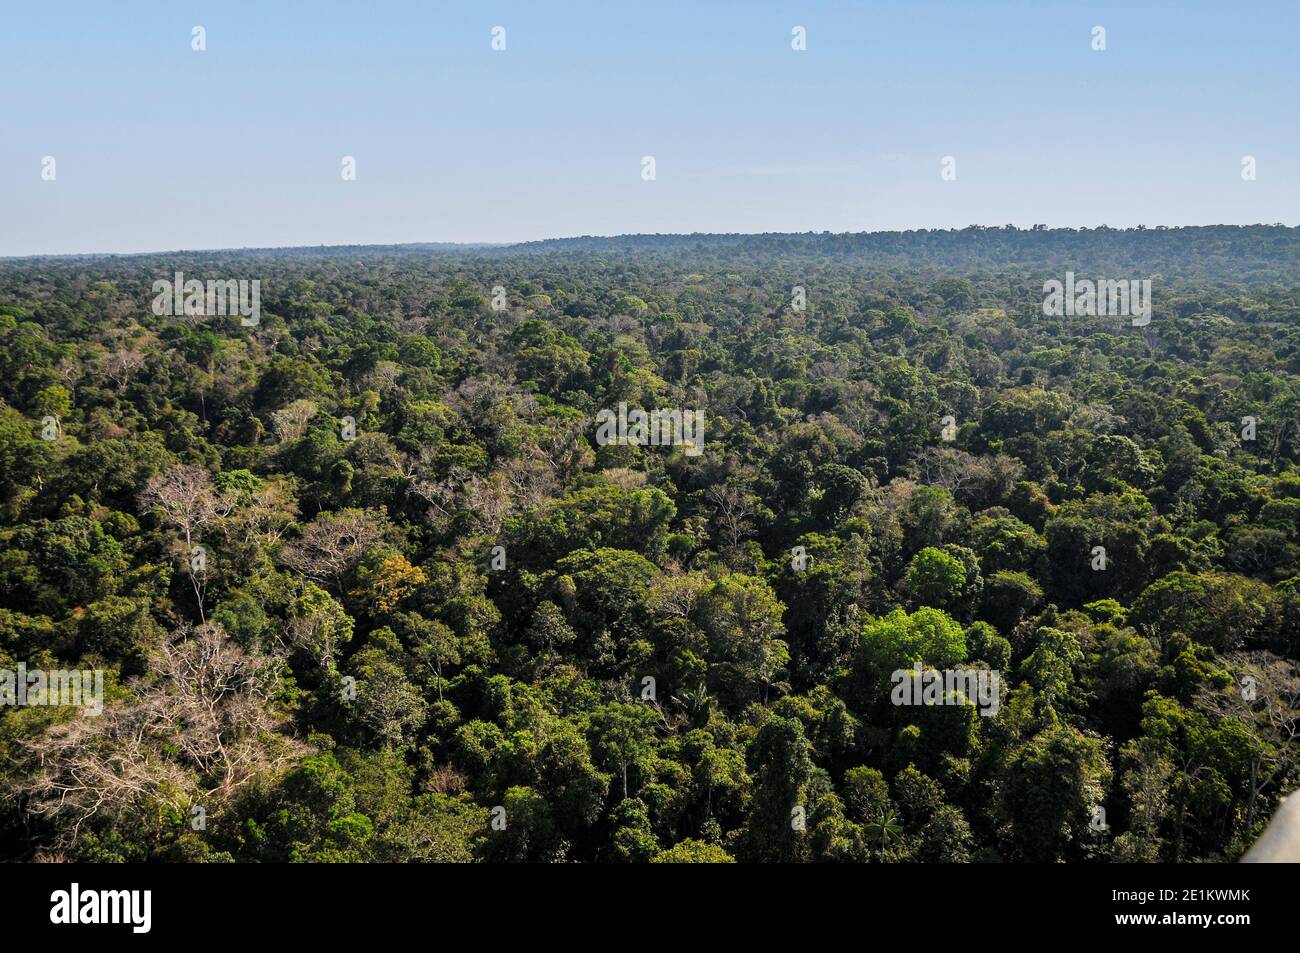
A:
1216, 609
433, 644
841, 488
384, 578
947, 838
741, 618
1265, 698
884, 829
186, 499
634, 839
935, 578
734, 509
782, 769
693, 852
333, 544
53, 401
319, 628
897, 640
387, 709
1050, 786
199, 729
1146, 784
621, 735
605, 591
1052, 666
866, 793
1116, 522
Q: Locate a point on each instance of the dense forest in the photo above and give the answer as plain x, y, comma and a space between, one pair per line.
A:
365, 585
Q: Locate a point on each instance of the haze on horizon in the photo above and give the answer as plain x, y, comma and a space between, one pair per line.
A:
587, 240
158, 146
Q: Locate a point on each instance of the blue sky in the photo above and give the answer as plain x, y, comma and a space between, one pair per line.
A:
159, 147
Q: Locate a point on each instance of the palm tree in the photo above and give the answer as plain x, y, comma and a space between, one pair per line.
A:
886, 827
696, 702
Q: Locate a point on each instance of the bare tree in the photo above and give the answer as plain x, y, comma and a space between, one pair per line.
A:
265, 517
672, 599
201, 726
485, 404
438, 492
121, 365
733, 509
186, 498
976, 481
947, 467
563, 449
290, 421
382, 378
1266, 699
72, 370
333, 543
532, 482
488, 498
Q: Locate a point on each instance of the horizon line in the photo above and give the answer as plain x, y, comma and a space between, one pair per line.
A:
496, 246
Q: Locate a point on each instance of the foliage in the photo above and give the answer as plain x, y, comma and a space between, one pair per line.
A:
466, 630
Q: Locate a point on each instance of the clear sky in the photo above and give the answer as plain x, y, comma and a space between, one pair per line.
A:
159, 147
